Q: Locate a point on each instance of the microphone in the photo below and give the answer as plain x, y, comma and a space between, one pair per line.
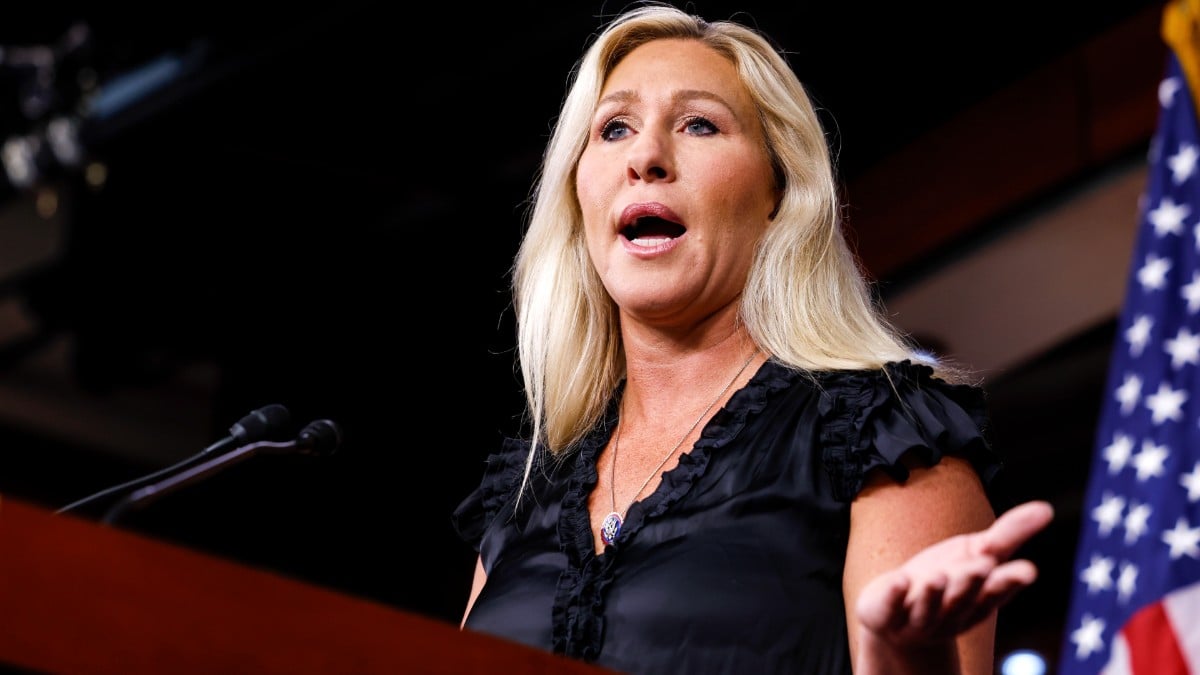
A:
320, 438
266, 423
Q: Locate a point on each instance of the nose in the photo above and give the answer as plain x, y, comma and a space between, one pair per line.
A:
650, 158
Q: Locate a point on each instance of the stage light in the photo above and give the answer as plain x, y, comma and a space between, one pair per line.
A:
1023, 662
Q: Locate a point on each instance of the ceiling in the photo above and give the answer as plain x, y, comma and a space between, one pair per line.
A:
319, 209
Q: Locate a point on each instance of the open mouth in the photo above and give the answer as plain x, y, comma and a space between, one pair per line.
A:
652, 227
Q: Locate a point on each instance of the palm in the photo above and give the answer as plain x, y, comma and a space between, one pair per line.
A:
952, 585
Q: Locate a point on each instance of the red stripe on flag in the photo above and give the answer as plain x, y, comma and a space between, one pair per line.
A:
1152, 646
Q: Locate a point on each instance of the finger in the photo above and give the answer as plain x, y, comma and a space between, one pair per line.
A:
1010, 578
1014, 527
969, 597
925, 602
958, 601
992, 597
880, 607
996, 591
964, 588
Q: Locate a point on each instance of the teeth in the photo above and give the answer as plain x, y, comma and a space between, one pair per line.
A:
649, 241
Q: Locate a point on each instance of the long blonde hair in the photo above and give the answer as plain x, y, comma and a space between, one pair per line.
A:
806, 300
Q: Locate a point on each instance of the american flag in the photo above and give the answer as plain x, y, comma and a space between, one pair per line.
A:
1135, 597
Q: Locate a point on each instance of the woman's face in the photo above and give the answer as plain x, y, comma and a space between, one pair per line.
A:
675, 183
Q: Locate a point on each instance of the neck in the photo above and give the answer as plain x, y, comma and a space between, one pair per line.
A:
661, 389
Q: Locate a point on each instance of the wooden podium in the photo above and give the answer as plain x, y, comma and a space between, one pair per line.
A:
78, 596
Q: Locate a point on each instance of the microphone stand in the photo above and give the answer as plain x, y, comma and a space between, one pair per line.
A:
319, 438
264, 423
142, 480
155, 491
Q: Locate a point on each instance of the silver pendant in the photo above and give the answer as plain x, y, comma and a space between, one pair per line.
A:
610, 528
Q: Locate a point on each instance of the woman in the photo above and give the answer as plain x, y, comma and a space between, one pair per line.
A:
736, 464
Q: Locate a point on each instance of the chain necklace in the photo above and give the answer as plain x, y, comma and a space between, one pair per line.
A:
611, 526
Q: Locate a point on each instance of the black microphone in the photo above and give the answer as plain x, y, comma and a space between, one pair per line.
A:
269, 422
320, 438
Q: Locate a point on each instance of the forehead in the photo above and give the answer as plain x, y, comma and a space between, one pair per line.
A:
677, 63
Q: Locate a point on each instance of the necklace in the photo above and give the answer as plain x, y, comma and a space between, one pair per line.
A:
611, 526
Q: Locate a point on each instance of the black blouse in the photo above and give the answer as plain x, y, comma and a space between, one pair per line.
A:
734, 564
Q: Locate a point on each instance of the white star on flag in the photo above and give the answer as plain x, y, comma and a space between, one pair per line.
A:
1136, 522
1191, 481
1129, 392
1126, 581
1191, 291
1138, 334
1184, 348
1153, 274
1166, 403
1167, 89
1118, 452
1183, 164
1108, 514
1183, 539
1149, 462
1168, 217
1098, 575
1087, 637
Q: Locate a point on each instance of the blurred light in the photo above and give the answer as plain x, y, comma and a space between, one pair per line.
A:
925, 356
118, 94
1023, 662
95, 174
17, 155
62, 133
46, 203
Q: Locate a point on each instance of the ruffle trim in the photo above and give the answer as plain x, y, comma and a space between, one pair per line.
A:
871, 419
501, 478
578, 611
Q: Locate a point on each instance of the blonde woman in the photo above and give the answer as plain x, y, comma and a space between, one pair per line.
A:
734, 464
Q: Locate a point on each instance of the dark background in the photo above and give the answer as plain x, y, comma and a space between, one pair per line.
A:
324, 211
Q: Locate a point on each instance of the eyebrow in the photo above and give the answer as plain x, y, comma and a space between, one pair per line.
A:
628, 95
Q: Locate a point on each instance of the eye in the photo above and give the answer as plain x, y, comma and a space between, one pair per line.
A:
700, 126
614, 129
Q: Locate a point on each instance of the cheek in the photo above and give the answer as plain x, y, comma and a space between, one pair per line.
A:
740, 178
760, 192
747, 205
587, 182
589, 194
593, 193
749, 197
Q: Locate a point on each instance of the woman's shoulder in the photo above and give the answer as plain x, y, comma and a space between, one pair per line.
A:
892, 380
872, 418
501, 476
910, 370
901, 381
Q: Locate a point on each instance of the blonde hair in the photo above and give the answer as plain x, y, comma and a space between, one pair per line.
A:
806, 300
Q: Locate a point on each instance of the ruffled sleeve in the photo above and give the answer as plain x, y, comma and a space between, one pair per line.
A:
870, 419
501, 477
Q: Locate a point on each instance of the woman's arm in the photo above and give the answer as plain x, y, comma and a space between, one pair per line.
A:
476, 586
926, 569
